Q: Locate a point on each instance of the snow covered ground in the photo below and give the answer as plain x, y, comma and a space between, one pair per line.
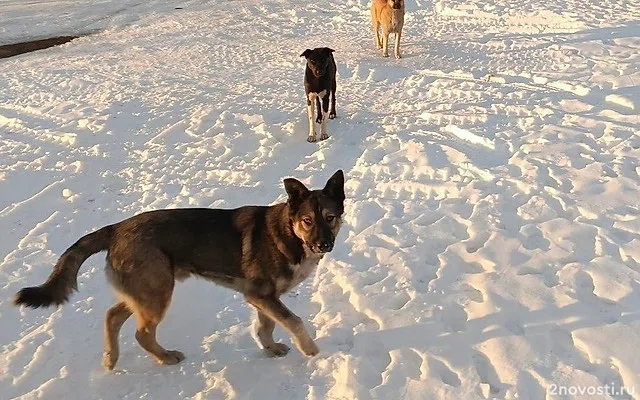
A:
491, 248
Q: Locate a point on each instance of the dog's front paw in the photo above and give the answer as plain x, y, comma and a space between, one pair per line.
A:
171, 357
332, 115
385, 54
319, 120
311, 139
324, 136
109, 359
398, 56
276, 350
309, 349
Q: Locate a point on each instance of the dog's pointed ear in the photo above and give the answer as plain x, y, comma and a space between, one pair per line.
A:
296, 190
305, 53
335, 187
329, 50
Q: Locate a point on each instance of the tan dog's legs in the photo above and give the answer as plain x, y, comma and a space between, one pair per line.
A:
265, 326
376, 30
385, 44
273, 308
114, 319
397, 45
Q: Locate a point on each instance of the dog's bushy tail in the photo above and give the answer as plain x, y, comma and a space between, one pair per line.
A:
63, 279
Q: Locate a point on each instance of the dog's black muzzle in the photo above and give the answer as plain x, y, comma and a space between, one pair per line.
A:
325, 246
319, 68
318, 72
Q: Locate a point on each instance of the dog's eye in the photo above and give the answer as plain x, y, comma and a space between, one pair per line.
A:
330, 218
307, 221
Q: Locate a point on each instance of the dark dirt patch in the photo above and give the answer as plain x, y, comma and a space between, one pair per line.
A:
10, 50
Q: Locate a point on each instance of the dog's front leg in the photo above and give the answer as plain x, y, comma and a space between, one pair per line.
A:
325, 111
385, 44
264, 331
319, 113
312, 124
273, 308
397, 45
376, 30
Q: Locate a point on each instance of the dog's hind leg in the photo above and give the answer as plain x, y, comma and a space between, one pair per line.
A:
264, 330
397, 45
115, 317
146, 337
332, 113
325, 111
273, 308
148, 317
146, 288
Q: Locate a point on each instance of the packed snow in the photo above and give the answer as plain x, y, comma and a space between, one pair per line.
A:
491, 244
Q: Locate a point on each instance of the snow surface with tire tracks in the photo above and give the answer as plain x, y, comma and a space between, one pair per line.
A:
491, 244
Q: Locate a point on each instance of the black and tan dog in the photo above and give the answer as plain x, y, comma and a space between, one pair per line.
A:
319, 83
260, 251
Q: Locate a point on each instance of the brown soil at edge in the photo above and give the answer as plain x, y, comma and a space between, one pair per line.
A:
10, 50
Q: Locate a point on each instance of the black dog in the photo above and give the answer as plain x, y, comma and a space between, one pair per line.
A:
319, 82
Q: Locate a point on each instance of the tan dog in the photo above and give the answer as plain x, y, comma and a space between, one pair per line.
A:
390, 15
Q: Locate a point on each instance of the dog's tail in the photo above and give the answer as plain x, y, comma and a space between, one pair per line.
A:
63, 279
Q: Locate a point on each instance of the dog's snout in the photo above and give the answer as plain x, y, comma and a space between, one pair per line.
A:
326, 245
319, 70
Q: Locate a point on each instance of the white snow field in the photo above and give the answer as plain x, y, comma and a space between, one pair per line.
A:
491, 244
